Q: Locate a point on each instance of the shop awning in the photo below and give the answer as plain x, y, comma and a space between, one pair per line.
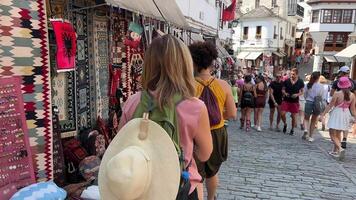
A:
168, 8
279, 54
242, 55
253, 55
298, 35
330, 59
196, 37
222, 51
348, 52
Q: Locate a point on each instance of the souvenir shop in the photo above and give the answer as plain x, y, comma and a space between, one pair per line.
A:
66, 67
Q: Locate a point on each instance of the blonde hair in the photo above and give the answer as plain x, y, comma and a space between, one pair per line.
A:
168, 70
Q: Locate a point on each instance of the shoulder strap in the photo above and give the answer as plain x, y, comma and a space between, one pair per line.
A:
165, 117
200, 81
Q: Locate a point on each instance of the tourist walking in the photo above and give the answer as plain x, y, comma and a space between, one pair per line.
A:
344, 71
340, 116
326, 89
168, 75
275, 101
302, 107
247, 102
315, 97
235, 93
203, 54
292, 89
261, 96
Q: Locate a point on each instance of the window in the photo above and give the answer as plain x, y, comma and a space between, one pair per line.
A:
245, 37
281, 34
340, 40
293, 31
337, 16
315, 16
257, 3
336, 41
258, 32
274, 3
274, 32
327, 16
347, 17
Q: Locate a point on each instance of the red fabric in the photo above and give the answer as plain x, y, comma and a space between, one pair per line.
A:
66, 45
290, 107
229, 12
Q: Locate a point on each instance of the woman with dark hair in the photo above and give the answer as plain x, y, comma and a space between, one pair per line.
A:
340, 117
261, 95
247, 102
203, 54
313, 89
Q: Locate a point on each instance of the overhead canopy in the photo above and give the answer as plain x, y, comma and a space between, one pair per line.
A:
253, 55
242, 55
196, 37
330, 59
279, 54
348, 52
168, 8
222, 51
298, 35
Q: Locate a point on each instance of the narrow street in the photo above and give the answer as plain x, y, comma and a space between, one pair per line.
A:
271, 165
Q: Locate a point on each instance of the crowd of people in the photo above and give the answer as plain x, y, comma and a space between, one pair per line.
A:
310, 100
182, 96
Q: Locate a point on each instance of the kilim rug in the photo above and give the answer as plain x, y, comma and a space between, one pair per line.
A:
23, 52
82, 70
63, 95
100, 33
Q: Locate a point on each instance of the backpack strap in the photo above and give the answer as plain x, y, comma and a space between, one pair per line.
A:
200, 81
165, 117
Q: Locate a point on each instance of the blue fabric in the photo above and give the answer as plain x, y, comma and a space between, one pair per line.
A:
40, 191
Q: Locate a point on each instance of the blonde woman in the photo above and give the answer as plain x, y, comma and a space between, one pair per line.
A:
168, 71
203, 54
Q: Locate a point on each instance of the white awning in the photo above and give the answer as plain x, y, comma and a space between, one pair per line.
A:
253, 55
168, 8
242, 55
298, 35
279, 54
196, 37
348, 52
330, 59
222, 51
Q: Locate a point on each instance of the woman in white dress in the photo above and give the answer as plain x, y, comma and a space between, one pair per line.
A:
340, 117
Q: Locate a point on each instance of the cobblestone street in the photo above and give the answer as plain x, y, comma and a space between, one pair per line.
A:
271, 165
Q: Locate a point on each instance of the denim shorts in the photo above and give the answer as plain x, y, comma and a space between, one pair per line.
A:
309, 108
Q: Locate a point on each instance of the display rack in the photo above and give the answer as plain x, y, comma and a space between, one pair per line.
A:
16, 167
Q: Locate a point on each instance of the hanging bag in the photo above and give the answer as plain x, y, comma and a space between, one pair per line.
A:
209, 98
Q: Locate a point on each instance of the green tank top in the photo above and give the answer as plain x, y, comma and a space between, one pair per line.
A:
234, 93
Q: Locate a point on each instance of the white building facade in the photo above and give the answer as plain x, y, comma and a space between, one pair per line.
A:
204, 16
267, 31
332, 23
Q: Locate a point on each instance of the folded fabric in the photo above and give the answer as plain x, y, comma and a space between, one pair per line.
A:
40, 191
92, 193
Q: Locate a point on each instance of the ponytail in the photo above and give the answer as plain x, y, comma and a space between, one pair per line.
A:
346, 95
313, 79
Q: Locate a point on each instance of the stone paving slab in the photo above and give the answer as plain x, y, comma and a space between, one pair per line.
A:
272, 165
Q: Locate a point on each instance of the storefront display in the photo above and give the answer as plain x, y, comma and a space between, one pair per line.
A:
15, 154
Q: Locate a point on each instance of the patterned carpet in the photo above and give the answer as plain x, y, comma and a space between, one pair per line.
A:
62, 91
100, 33
82, 71
23, 52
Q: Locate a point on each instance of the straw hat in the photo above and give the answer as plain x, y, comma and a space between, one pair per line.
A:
344, 83
140, 163
323, 80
